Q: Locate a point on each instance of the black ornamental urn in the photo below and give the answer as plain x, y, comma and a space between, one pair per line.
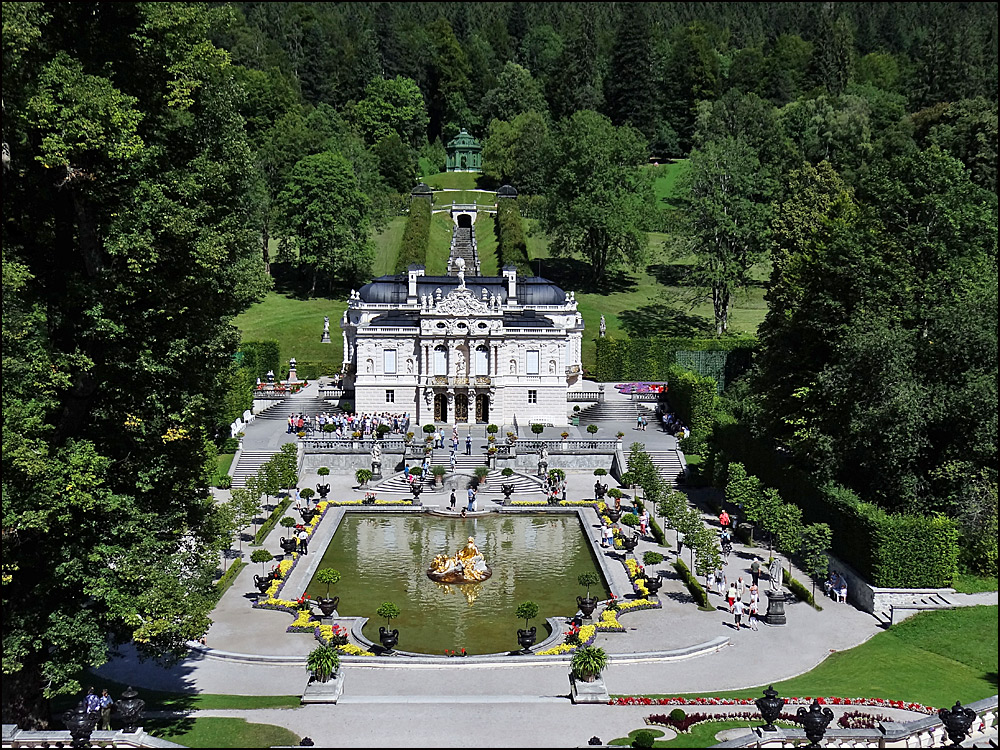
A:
587, 605
323, 490
328, 606
289, 545
815, 721
653, 585
81, 724
389, 639
629, 543
262, 584
957, 721
526, 639
130, 707
770, 708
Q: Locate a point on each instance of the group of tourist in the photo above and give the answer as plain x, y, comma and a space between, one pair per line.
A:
100, 707
742, 600
345, 425
836, 587
674, 426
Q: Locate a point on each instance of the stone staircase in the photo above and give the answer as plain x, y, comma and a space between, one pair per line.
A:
920, 601
669, 465
459, 481
248, 465
463, 245
310, 406
616, 411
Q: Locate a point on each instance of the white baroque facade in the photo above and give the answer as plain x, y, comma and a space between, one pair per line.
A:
463, 351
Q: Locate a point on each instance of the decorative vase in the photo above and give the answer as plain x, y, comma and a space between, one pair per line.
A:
289, 545
587, 606
262, 584
815, 721
130, 707
770, 708
526, 638
388, 638
653, 584
328, 606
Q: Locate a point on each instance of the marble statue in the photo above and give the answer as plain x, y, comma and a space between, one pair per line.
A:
460, 265
543, 461
376, 460
604, 326
777, 572
467, 566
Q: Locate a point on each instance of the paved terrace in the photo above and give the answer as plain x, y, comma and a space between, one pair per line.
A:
512, 700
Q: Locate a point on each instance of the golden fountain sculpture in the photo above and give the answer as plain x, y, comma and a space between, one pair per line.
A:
467, 566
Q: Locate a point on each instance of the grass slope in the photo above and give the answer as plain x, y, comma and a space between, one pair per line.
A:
452, 180
222, 732
387, 246
297, 326
439, 244
666, 179
934, 658
486, 244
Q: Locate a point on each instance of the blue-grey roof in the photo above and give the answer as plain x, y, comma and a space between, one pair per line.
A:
531, 291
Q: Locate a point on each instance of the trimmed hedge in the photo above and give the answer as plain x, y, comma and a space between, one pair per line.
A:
723, 360
888, 550
413, 246
693, 587
693, 397
271, 522
512, 248
258, 357
223, 584
802, 593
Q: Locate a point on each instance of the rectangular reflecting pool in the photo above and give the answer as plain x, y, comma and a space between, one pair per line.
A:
385, 558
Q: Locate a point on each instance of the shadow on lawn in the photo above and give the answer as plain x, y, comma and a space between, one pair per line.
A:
663, 319
573, 274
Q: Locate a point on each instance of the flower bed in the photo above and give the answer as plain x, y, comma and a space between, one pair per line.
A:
609, 623
339, 503
848, 720
544, 503
586, 635
641, 700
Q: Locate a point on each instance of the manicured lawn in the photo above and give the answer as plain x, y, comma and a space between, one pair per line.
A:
387, 246
700, 735
439, 244
486, 244
447, 197
297, 326
934, 658
452, 180
967, 583
222, 732
222, 463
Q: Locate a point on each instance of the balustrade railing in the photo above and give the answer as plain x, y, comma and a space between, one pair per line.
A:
348, 445
593, 446
331, 392
583, 395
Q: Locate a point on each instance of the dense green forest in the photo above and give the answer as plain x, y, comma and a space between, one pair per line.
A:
155, 152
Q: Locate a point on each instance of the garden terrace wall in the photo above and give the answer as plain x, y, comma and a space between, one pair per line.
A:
723, 360
888, 550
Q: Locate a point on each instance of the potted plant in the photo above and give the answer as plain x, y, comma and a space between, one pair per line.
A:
291, 543
324, 488
481, 472
323, 662
564, 434
492, 429
328, 427
600, 472
588, 662
511, 438
329, 577
429, 429
619, 435
438, 472
592, 429
491, 439
362, 476
307, 494
507, 472
262, 581
409, 438
526, 638
382, 430
389, 638
417, 471
538, 429
587, 604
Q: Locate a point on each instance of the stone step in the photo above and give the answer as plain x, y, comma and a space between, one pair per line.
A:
615, 411
249, 464
669, 466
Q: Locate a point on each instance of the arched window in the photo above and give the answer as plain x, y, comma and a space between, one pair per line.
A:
482, 360
440, 360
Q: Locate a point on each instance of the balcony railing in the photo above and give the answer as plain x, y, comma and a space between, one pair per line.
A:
584, 396
347, 445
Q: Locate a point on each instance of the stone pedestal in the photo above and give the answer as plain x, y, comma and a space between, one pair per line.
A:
588, 692
326, 338
324, 692
775, 608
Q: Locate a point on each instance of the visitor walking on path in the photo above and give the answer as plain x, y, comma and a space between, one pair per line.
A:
738, 613
468, 445
752, 608
755, 571
720, 581
106, 702
731, 596
724, 519
453, 500
304, 542
740, 586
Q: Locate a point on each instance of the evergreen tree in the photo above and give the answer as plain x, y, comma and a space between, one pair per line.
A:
631, 87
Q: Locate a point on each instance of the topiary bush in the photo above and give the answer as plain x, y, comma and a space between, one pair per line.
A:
644, 738
630, 519
538, 429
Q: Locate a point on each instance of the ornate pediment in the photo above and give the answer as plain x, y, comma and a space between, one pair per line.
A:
462, 302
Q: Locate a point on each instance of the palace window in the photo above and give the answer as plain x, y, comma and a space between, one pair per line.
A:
532, 397
389, 361
390, 397
532, 363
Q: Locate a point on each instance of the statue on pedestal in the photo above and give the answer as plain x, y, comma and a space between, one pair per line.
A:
604, 327
543, 462
777, 572
326, 330
376, 461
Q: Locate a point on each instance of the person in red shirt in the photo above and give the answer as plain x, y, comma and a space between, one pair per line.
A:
724, 519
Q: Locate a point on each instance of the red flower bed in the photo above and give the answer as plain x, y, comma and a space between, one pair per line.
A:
640, 700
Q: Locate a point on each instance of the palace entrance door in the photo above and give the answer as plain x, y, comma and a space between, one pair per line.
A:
440, 407
461, 408
482, 408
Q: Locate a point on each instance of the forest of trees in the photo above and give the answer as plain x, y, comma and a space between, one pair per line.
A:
158, 150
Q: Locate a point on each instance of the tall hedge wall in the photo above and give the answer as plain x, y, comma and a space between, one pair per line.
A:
413, 246
257, 357
890, 550
651, 358
692, 398
511, 245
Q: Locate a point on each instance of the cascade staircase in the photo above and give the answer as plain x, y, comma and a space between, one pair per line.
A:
921, 601
463, 245
464, 466
310, 406
249, 464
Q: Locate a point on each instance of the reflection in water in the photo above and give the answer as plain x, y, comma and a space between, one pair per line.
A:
385, 558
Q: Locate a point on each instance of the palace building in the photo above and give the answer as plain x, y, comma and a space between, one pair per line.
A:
458, 349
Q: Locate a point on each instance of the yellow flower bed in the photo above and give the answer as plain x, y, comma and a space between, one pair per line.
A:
587, 632
304, 620
377, 502
562, 648
351, 650
632, 566
285, 565
642, 588
609, 617
626, 606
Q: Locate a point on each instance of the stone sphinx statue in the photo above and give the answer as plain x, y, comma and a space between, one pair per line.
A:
467, 566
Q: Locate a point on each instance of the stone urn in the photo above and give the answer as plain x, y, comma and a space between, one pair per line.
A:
507, 490
629, 542
653, 584
815, 721
614, 515
526, 639
307, 515
587, 605
388, 638
289, 545
262, 584
328, 606
81, 724
323, 490
130, 707
770, 708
